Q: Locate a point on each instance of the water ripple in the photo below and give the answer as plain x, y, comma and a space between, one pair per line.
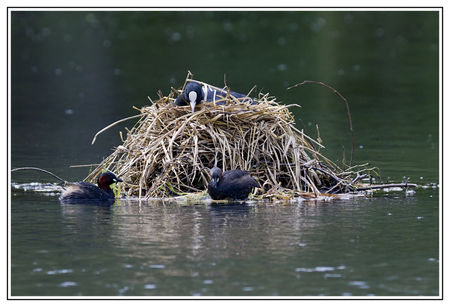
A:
63, 271
316, 269
157, 266
359, 284
68, 284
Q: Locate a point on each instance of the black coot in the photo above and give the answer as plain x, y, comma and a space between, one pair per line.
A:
84, 191
194, 93
234, 184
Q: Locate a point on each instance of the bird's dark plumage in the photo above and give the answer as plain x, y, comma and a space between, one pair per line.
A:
194, 93
234, 184
84, 191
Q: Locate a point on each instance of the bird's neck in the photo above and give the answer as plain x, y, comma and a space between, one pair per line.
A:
105, 187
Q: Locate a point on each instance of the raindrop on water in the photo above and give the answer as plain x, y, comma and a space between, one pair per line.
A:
227, 26
46, 31
348, 18
175, 37
67, 38
282, 67
379, 32
293, 27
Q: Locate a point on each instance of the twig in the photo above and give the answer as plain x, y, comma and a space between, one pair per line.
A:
359, 177
115, 123
327, 173
346, 105
84, 165
338, 180
38, 169
391, 185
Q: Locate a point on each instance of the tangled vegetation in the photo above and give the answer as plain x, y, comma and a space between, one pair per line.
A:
169, 150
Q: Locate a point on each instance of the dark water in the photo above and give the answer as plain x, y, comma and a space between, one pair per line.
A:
380, 246
73, 73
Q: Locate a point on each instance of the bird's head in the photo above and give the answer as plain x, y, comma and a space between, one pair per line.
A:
193, 93
216, 175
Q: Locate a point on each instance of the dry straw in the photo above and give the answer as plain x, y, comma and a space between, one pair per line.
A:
169, 150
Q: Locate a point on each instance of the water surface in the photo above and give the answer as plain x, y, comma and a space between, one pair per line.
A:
380, 246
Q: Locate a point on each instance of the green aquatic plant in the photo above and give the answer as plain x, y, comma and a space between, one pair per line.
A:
116, 187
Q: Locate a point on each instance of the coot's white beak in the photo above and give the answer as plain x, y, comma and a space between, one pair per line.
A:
192, 99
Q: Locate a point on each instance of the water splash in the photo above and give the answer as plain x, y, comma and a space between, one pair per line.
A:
38, 187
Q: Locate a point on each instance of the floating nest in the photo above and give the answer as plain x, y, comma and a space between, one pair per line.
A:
169, 150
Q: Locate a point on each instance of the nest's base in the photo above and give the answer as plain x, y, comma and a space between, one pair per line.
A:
202, 198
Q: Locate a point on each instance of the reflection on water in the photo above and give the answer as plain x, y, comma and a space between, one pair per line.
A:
351, 247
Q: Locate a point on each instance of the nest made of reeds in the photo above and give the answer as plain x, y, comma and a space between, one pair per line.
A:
169, 150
